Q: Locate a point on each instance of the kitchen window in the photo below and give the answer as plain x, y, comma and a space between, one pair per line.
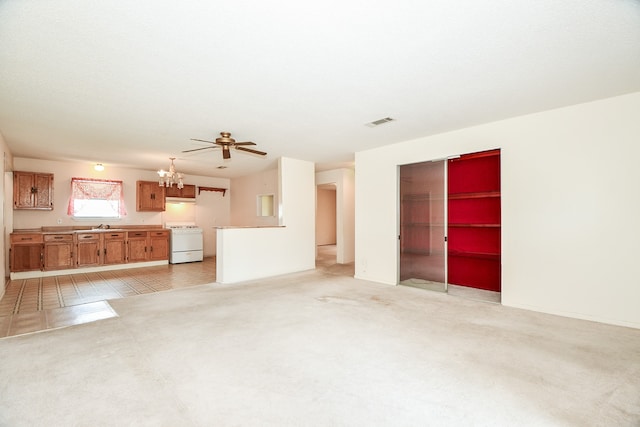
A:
96, 198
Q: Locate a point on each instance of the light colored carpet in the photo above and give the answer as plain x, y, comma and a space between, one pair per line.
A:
319, 349
428, 285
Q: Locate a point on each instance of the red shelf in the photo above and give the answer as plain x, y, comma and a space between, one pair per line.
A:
480, 255
476, 225
476, 195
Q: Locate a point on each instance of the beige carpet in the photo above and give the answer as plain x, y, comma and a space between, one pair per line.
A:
319, 349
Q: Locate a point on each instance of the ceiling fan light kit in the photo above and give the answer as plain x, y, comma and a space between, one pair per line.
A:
168, 178
226, 142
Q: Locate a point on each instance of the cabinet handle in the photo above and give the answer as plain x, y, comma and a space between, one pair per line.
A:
98, 252
58, 237
26, 238
105, 251
87, 237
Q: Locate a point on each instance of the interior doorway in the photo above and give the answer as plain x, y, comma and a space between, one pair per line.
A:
326, 223
450, 225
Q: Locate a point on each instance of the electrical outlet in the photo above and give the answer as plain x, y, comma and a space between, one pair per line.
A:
59, 221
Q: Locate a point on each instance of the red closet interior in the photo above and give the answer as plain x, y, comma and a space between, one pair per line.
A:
474, 220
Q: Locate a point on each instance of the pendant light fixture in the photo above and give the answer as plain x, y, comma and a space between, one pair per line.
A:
171, 177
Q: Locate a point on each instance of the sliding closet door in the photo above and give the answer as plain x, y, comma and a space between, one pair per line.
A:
423, 255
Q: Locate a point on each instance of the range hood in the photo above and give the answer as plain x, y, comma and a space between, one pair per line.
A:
190, 200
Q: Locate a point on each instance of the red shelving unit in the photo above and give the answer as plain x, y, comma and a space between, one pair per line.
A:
474, 223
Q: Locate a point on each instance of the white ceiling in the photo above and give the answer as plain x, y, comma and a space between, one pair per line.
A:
128, 83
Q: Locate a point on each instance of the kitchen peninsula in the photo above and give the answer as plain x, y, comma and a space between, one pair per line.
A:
50, 251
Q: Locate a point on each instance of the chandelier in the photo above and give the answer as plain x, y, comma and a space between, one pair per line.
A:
171, 177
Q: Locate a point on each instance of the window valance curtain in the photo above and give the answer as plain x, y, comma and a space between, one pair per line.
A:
96, 189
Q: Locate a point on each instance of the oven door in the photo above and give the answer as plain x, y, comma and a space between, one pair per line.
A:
186, 242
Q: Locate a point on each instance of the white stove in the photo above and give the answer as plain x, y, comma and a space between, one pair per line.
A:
186, 242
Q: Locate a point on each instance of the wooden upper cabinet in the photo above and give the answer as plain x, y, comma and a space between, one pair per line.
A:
188, 191
149, 196
32, 190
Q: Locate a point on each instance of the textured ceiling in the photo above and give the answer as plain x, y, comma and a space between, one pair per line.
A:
128, 83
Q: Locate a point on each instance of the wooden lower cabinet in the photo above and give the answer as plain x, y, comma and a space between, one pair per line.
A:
89, 249
115, 248
159, 245
26, 252
58, 251
137, 247
148, 245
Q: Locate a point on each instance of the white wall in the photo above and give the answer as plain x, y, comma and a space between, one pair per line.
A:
210, 210
251, 253
344, 179
6, 219
326, 216
245, 192
570, 207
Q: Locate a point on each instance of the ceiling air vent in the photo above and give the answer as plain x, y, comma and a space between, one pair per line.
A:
379, 122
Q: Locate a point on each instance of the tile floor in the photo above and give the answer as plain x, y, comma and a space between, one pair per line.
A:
31, 305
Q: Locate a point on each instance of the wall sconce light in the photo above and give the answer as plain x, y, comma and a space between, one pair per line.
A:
99, 167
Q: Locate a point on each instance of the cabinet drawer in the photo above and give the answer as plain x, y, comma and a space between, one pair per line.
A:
163, 233
114, 236
137, 234
58, 237
88, 236
26, 238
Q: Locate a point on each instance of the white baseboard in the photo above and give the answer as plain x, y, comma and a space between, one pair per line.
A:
38, 273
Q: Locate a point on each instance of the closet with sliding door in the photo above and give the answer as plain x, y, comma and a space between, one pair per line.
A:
450, 222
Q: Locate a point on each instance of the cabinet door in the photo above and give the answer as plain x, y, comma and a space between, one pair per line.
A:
150, 196
23, 190
137, 246
159, 243
58, 252
115, 248
26, 257
89, 250
172, 192
43, 198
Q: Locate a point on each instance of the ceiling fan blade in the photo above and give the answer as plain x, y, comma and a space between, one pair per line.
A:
226, 154
245, 143
198, 149
249, 150
202, 140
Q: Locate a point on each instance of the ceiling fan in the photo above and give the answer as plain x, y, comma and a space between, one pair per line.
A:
226, 142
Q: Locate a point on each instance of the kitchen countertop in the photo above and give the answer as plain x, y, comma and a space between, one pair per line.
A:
73, 230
